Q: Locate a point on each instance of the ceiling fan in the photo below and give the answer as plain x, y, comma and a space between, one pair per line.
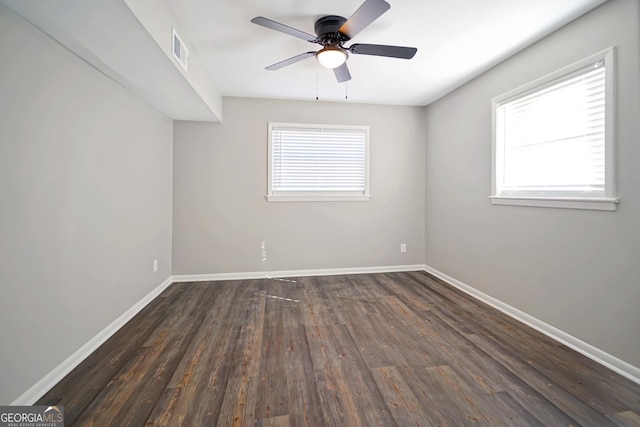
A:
332, 32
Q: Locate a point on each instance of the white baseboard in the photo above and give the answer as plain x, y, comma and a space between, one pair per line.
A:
293, 273
620, 366
36, 391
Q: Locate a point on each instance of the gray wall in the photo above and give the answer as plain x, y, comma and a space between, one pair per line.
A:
221, 216
574, 269
85, 203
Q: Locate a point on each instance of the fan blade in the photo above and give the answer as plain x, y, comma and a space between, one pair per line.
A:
368, 12
342, 73
273, 25
290, 61
383, 50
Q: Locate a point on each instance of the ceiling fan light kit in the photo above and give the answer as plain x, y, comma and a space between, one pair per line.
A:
331, 57
332, 32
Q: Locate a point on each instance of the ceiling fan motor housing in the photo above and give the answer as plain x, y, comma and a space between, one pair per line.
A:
327, 29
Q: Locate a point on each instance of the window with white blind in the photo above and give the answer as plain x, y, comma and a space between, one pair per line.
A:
318, 162
553, 139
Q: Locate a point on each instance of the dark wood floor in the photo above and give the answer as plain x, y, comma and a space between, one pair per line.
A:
360, 350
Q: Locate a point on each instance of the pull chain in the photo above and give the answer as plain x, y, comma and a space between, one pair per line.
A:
317, 84
346, 90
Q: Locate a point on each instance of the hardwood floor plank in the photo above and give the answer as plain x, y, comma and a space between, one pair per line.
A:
304, 401
82, 385
405, 408
368, 400
129, 397
625, 419
547, 387
581, 378
449, 403
77, 389
395, 338
247, 362
431, 342
203, 371
337, 404
229, 412
373, 343
502, 410
317, 316
584, 375
348, 350
279, 421
524, 395
273, 396
478, 370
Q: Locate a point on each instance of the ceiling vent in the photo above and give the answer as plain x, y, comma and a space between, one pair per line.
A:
180, 51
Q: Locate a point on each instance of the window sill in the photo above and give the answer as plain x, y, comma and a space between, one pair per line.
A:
316, 198
600, 204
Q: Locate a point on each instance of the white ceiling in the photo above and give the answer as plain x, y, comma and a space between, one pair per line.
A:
456, 40
129, 41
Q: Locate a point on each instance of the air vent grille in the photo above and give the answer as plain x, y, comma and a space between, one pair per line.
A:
180, 51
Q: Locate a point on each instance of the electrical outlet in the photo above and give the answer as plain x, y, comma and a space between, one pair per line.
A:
403, 248
155, 265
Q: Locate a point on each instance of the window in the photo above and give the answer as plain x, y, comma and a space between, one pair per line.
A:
553, 139
318, 162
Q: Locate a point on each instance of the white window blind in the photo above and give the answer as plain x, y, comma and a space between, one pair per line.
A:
308, 161
552, 141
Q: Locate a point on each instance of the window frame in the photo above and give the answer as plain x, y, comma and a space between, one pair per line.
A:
607, 202
316, 196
